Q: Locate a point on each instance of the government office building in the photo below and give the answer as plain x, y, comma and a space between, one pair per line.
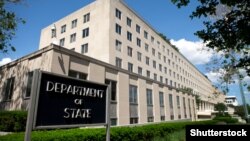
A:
107, 42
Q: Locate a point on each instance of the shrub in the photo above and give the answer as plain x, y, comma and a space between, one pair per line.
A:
13, 121
226, 119
137, 133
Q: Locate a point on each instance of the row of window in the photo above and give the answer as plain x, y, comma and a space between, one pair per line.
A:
8, 87
86, 18
133, 96
118, 45
118, 15
85, 33
118, 63
118, 28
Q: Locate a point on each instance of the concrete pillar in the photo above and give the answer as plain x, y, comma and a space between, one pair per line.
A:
123, 99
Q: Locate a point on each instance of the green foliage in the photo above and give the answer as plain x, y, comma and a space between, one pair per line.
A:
197, 99
221, 107
227, 32
186, 90
8, 26
239, 110
13, 121
226, 119
137, 133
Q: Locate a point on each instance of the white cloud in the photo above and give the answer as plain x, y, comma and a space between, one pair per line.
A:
214, 76
5, 61
195, 52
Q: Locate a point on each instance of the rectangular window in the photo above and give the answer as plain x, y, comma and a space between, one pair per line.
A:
118, 62
63, 28
145, 34
132, 94
133, 120
113, 88
171, 83
130, 67
155, 76
129, 36
139, 70
118, 45
153, 51
138, 28
172, 117
113, 121
85, 32
8, 89
152, 39
184, 107
129, 21
160, 67
146, 47
161, 79
138, 42
171, 101
118, 13
178, 102
85, 48
154, 64
158, 44
162, 118
130, 51
29, 84
74, 23
118, 29
165, 70
161, 98
148, 73
164, 59
147, 60
62, 42
149, 97
72, 38
138, 56
78, 75
86, 18
159, 55
150, 119
166, 81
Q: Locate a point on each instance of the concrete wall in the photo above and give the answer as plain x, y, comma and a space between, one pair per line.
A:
59, 60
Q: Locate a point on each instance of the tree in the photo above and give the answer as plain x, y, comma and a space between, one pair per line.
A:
8, 26
239, 110
221, 107
228, 33
198, 100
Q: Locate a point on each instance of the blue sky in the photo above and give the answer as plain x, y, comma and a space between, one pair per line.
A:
162, 15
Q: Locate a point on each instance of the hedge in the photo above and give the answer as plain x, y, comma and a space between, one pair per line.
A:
13, 121
136, 133
226, 119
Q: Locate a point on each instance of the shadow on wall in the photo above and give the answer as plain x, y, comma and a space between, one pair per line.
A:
61, 62
19, 71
